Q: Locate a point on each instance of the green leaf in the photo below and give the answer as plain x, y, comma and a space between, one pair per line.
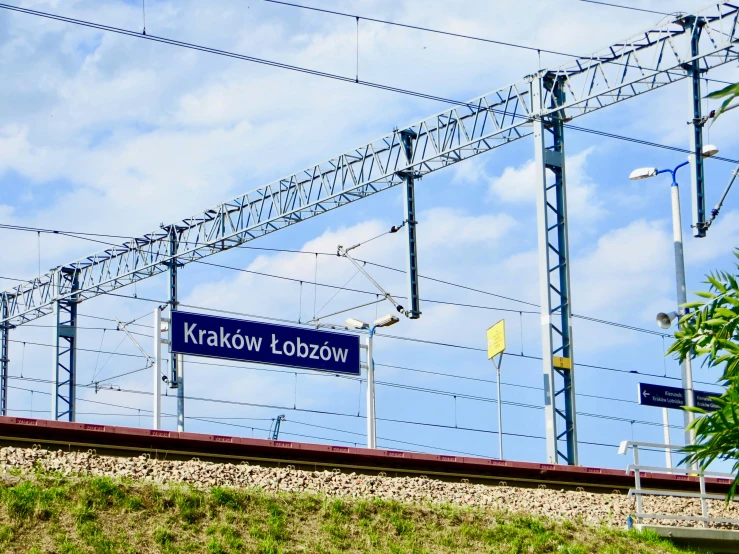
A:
715, 322
732, 90
705, 294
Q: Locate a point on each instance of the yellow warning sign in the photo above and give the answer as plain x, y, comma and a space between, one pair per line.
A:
496, 339
562, 363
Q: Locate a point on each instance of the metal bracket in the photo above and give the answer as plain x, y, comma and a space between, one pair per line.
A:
341, 251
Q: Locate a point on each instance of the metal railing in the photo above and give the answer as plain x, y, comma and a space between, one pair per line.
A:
639, 492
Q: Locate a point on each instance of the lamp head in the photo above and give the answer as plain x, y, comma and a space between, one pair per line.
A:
664, 320
356, 324
387, 320
710, 150
643, 173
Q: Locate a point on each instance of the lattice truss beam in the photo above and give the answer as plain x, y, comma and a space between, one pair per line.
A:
647, 61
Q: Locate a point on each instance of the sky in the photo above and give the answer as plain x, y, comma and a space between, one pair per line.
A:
104, 133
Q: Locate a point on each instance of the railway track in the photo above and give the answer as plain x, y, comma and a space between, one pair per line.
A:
128, 442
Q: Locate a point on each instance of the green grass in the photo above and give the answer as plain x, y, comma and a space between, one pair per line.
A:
92, 515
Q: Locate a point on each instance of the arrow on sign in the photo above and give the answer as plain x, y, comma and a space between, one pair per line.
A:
674, 398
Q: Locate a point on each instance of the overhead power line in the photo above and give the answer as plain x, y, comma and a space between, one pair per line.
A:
31, 343
218, 420
288, 408
644, 142
395, 337
632, 8
422, 341
425, 29
226, 53
455, 395
84, 236
402, 368
471, 37
300, 69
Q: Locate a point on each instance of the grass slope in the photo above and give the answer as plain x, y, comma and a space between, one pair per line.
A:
44, 513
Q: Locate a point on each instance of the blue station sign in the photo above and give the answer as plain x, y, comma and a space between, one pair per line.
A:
265, 343
673, 397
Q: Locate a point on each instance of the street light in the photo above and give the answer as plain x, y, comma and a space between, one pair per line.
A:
384, 321
664, 320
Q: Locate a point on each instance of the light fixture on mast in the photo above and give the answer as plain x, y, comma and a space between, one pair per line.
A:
384, 321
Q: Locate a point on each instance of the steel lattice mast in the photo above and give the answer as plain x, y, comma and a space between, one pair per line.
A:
685, 46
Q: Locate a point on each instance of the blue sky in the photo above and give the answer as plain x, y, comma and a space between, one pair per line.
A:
104, 133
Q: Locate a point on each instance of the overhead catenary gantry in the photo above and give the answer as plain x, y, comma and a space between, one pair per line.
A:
540, 104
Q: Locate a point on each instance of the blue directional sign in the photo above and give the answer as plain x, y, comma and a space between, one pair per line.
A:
673, 397
265, 343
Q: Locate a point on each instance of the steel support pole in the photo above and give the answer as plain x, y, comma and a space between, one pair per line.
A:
371, 421
500, 411
694, 25
666, 429
554, 272
64, 378
4, 358
175, 361
686, 365
414, 302
157, 368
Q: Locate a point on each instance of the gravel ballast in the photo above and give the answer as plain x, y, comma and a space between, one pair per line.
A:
609, 509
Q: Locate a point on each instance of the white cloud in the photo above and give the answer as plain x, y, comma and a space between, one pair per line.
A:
722, 236
116, 134
628, 266
518, 185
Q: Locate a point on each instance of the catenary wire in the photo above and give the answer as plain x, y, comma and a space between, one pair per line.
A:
470, 37
382, 266
429, 300
463, 347
207, 419
425, 29
272, 63
402, 368
287, 408
381, 383
421, 341
243, 57
625, 7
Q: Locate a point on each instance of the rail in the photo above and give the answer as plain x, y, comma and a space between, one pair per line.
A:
638, 491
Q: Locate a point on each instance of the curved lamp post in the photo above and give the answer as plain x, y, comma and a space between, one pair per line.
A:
664, 320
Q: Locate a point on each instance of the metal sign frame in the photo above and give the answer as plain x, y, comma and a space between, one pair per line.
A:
210, 336
661, 396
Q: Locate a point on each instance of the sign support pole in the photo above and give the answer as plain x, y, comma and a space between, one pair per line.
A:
666, 424
500, 409
496, 347
371, 424
157, 407
175, 360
